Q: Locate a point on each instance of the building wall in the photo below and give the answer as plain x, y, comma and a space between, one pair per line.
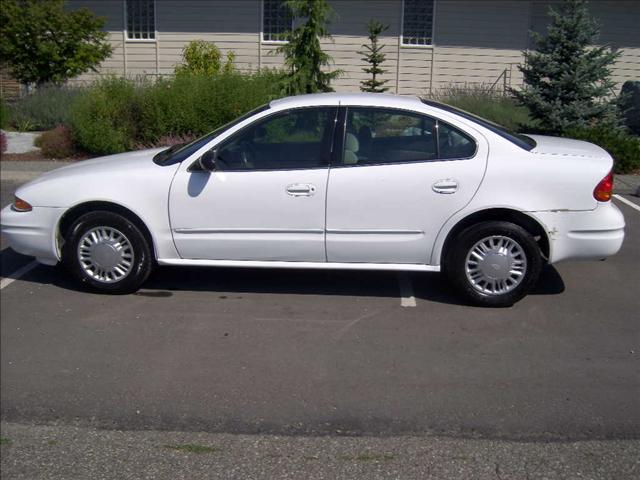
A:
476, 41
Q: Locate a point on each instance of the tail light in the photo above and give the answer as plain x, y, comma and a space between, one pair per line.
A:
604, 189
20, 205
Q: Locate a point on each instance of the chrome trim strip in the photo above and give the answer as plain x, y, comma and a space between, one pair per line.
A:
341, 231
248, 230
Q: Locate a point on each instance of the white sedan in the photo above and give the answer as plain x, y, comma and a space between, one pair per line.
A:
330, 181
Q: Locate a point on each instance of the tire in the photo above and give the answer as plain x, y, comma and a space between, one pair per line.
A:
107, 253
494, 264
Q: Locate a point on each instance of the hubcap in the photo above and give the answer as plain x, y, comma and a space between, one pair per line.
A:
105, 254
496, 265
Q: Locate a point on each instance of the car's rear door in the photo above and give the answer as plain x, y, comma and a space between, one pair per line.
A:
398, 176
266, 198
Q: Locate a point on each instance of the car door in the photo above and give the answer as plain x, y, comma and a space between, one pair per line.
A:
397, 178
265, 200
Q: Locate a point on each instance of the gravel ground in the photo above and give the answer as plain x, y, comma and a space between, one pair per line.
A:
69, 452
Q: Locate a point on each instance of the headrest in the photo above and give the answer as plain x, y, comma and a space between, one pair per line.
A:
351, 143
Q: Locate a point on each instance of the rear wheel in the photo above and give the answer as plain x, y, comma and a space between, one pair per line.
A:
107, 253
494, 263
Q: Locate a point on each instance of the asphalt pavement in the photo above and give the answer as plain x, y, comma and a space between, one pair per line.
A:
311, 354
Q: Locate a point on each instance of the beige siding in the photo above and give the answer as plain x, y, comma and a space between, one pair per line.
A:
475, 41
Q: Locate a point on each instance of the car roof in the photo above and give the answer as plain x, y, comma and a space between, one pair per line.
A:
378, 99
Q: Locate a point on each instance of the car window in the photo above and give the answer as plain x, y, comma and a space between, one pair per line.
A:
287, 140
453, 143
375, 136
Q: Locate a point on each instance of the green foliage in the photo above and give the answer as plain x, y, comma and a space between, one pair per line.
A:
630, 105
4, 114
116, 115
104, 117
203, 58
623, 147
567, 80
373, 56
56, 143
482, 101
42, 42
303, 55
44, 109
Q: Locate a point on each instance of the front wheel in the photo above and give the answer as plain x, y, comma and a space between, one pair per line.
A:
107, 253
494, 264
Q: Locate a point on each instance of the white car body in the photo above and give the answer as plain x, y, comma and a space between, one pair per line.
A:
368, 217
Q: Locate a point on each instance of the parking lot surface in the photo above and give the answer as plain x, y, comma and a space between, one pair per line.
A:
314, 353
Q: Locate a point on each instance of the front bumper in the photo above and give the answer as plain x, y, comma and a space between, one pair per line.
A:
588, 235
32, 233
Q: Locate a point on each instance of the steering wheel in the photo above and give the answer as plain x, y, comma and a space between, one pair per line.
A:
248, 154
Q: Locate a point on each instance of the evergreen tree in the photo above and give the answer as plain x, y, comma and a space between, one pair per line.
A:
303, 55
373, 56
566, 79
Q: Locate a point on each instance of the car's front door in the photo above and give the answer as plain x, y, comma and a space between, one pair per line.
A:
399, 177
265, 200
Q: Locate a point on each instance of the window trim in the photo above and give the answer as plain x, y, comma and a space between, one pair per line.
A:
262, 39
433, 29
140, 40
326, 147
337, 157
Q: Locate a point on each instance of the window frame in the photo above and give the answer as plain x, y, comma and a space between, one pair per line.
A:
326, 146
262, 39
337, 157
125, 25
433, 29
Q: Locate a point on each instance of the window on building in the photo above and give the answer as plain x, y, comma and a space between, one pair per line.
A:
417, 24
141, 19
276, 20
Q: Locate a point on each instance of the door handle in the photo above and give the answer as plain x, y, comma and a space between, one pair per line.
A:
448, 185
301, 189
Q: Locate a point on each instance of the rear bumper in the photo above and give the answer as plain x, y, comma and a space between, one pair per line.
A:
32, 233
589, 235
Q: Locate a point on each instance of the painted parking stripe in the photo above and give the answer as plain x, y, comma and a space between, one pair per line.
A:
628, 202
5, 282
406, 290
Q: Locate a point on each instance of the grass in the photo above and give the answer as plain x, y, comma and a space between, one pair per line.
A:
192, 448
5, 441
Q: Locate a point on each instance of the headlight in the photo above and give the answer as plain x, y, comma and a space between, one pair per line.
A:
20, 205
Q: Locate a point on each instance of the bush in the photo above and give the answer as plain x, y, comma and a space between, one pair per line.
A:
4, 114
630, 105
56, 143
3, 142
104, 117
203, 58
482, 101
623, 147
115, 115
44, 109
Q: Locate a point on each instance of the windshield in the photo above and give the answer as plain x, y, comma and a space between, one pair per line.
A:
522, 141
179, 152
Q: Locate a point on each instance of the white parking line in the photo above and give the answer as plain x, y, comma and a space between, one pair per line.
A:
5, 282
628, 202
406, 290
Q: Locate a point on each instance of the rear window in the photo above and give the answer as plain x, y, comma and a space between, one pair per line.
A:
522, 141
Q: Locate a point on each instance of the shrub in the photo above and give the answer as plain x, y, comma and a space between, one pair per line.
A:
56, 143
203, 58
482, 101
3, 142
104, 117
623, 147
44, 109
630, 105
4, 114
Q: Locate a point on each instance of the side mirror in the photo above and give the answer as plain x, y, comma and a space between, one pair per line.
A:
207, 161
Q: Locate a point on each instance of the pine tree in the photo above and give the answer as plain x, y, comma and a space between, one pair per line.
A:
373, 56
567, 79
303, 54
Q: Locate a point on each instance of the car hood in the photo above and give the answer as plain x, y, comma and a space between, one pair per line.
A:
566, 146
121, 162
